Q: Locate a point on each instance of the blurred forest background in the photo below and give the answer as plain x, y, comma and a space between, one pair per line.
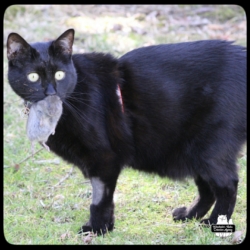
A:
120, 28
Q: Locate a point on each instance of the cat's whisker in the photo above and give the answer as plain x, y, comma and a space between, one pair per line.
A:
76, 113
80, 100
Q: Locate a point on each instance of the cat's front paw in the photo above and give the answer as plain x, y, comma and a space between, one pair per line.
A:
85, 228
180, 213
100, 230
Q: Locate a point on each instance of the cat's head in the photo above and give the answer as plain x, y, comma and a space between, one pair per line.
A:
41, 69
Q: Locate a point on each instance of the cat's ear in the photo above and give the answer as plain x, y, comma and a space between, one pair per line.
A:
16, 46
65, 41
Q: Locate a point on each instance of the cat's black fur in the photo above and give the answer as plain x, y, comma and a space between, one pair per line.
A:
184, 115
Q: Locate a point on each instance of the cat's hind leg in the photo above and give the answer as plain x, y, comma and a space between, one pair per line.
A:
201, 204
225, 192
220, 184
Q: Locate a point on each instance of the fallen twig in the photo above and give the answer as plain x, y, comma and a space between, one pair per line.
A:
46, 206
54, 161
30, 156
64, 178
18, 164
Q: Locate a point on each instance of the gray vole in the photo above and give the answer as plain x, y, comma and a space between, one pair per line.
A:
43, 118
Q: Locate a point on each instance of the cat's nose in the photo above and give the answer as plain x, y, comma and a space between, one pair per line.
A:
50, 90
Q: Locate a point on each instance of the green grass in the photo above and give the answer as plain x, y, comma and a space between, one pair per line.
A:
39, 211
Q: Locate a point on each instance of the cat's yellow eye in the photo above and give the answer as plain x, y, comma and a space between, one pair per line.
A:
33, 77
59, 75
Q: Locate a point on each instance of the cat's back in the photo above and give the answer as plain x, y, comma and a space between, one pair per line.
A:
204, 58
202, 68
177, 94
195, 51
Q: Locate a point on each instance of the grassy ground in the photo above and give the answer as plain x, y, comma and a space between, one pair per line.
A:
45, 199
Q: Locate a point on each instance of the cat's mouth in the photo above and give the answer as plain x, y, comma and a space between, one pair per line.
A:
29, 103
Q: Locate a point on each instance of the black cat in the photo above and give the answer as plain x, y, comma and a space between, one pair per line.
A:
178, 110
